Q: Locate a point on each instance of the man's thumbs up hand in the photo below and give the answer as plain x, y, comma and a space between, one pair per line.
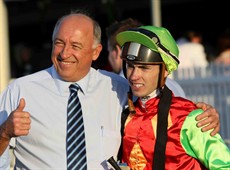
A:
18, 123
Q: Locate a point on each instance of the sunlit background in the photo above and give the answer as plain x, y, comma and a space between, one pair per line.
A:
31, 21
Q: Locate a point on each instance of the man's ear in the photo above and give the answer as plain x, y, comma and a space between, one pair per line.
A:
166, 73
118, 51
97, 52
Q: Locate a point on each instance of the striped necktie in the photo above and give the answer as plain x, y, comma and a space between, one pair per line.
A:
75, 140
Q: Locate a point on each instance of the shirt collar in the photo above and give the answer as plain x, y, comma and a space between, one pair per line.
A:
63, 86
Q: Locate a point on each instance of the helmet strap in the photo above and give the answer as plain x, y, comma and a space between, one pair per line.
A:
162, 78
130, 102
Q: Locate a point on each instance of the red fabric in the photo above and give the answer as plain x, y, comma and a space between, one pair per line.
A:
140, 130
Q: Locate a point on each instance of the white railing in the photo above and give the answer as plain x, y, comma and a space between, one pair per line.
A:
210, 85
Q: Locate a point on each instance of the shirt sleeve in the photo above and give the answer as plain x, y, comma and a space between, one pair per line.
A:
209, 150
5, 110
5, 160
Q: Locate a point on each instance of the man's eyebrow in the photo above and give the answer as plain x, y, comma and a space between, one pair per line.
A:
77, 43
142, 66
58, 39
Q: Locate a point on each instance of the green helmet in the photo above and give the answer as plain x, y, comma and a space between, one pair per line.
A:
149, 44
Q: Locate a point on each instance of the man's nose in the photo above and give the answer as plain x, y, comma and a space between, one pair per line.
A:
135, 73
66, 52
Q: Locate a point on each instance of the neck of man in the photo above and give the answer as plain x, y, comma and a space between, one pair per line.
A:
155, 93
